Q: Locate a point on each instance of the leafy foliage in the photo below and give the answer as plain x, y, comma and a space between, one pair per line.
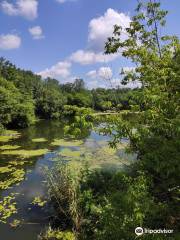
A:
155, 138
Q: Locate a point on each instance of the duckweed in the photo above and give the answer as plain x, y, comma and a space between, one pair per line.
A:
39, 140
6, 169
15, 223
26, 153
66, 152
66, 143
9, 147
9, 135
5, 138
7, 208
15, 178
39, 202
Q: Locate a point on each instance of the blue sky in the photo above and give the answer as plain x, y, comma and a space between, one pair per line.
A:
64, 39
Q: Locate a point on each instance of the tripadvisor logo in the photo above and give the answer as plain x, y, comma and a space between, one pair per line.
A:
139, 231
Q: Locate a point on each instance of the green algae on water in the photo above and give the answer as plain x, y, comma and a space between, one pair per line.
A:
9, 135
6, 169
7, 208
66, 143
26, 153
14, 178
39, 140
9, 147
66, 152
39, 202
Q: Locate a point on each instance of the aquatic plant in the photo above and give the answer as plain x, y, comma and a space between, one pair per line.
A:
7, 208
38, 201
67, 142
63, 183
5, 138
39, 140
14, 178
26, 153
66, 152
8, 135
19, 162
15, 223
57, 234
6, 169
9, 147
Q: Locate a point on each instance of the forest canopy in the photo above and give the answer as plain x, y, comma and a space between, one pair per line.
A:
33, 97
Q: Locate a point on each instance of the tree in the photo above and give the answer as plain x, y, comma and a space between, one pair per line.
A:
50, 103
155, 138
15, 109
79, 85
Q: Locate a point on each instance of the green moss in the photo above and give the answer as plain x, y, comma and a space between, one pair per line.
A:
26, 153
66, 143
39, 140
9, 147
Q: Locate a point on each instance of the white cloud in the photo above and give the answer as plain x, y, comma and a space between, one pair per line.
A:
105, 73
36, 32
9, 41
90, 57
99, 30
59, 70
117, 82
102, 27
99, 78
24, 8
92, 74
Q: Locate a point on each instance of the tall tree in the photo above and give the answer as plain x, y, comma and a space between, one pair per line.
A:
155, 138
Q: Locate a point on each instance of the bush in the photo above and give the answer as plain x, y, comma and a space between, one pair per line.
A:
102, 205
51, 234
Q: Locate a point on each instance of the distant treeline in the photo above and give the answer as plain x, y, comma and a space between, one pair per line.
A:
25, 96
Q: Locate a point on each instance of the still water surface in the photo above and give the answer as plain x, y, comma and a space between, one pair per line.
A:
36, 218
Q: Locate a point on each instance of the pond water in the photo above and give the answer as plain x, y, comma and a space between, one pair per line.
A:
22, 174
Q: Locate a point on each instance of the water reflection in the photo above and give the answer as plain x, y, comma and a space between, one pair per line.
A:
94, 149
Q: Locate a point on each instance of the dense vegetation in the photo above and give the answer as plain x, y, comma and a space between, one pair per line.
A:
96, 204
33, 97
110, 205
